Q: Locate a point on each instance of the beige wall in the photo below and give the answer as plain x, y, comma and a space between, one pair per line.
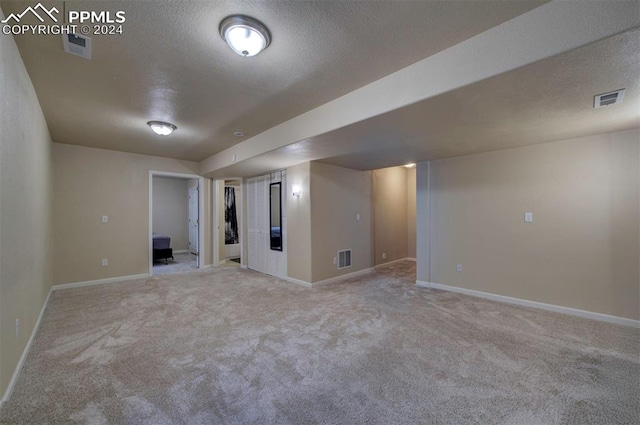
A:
221, 208
337, 195
298, 232
89, 183
25, 208
411, 212
582, 249
171, 210
206, 250
390, 214
394, 213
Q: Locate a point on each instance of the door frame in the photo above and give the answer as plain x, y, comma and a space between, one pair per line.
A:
217, 232
201, 251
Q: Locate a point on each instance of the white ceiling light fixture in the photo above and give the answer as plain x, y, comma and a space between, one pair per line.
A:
238, 133
410, 165
246, 36
162, 128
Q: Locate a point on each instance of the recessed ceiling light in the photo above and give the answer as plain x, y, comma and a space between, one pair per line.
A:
162, 128
410, 165
238, 133
246, 36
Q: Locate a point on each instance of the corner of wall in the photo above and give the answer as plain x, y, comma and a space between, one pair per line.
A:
25, 211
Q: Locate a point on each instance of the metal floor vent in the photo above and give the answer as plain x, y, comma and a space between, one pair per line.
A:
608, 99
344, 259
76, 44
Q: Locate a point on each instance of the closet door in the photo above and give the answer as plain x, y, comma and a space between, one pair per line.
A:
261, 257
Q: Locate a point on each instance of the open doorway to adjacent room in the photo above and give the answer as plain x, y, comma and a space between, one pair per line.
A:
394, 214
228, 232
175, 211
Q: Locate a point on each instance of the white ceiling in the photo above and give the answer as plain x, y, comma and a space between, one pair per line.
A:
548, 100
170, 64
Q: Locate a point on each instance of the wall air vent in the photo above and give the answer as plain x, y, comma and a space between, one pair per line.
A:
608, 99
344, 259
76, 44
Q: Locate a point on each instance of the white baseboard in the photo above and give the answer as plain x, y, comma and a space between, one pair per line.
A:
330, 280
244, 266
299, 282
98, 281
181, 251
395, 261
535, 304
342, 277
25, 352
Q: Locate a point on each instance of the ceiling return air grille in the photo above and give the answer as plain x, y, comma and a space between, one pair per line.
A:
344, 259
608, 99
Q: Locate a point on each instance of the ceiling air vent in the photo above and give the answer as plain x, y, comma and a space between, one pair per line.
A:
79, 45
344, 259
608, 99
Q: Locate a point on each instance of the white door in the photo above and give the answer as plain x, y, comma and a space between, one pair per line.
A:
193, 220
260, 256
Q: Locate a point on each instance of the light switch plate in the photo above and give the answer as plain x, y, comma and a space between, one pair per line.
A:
105, 218
528, 217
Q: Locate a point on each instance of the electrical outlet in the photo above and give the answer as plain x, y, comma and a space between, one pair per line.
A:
528, 217
105, 262
459, 267
384, 255
105, 218
358, 217
335, 260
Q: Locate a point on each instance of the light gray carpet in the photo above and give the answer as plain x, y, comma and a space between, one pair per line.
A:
182, 262
233, 346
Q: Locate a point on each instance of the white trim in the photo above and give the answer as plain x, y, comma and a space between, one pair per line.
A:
395, 261
25, 352
215, 234
99, 281
181, 251
411, 259
244, 266
535, 304
331, 279
343, 277
201, 220
299, 282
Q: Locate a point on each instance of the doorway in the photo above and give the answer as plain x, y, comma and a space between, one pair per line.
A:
175, 215
227, 235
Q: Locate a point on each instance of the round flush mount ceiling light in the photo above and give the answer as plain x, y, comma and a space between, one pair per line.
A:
238, 133
162, 128
246, 36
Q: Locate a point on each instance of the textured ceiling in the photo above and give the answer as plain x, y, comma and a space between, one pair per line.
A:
170, 64
549, 100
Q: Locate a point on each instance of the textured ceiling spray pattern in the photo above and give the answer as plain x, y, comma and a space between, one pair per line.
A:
171, 64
